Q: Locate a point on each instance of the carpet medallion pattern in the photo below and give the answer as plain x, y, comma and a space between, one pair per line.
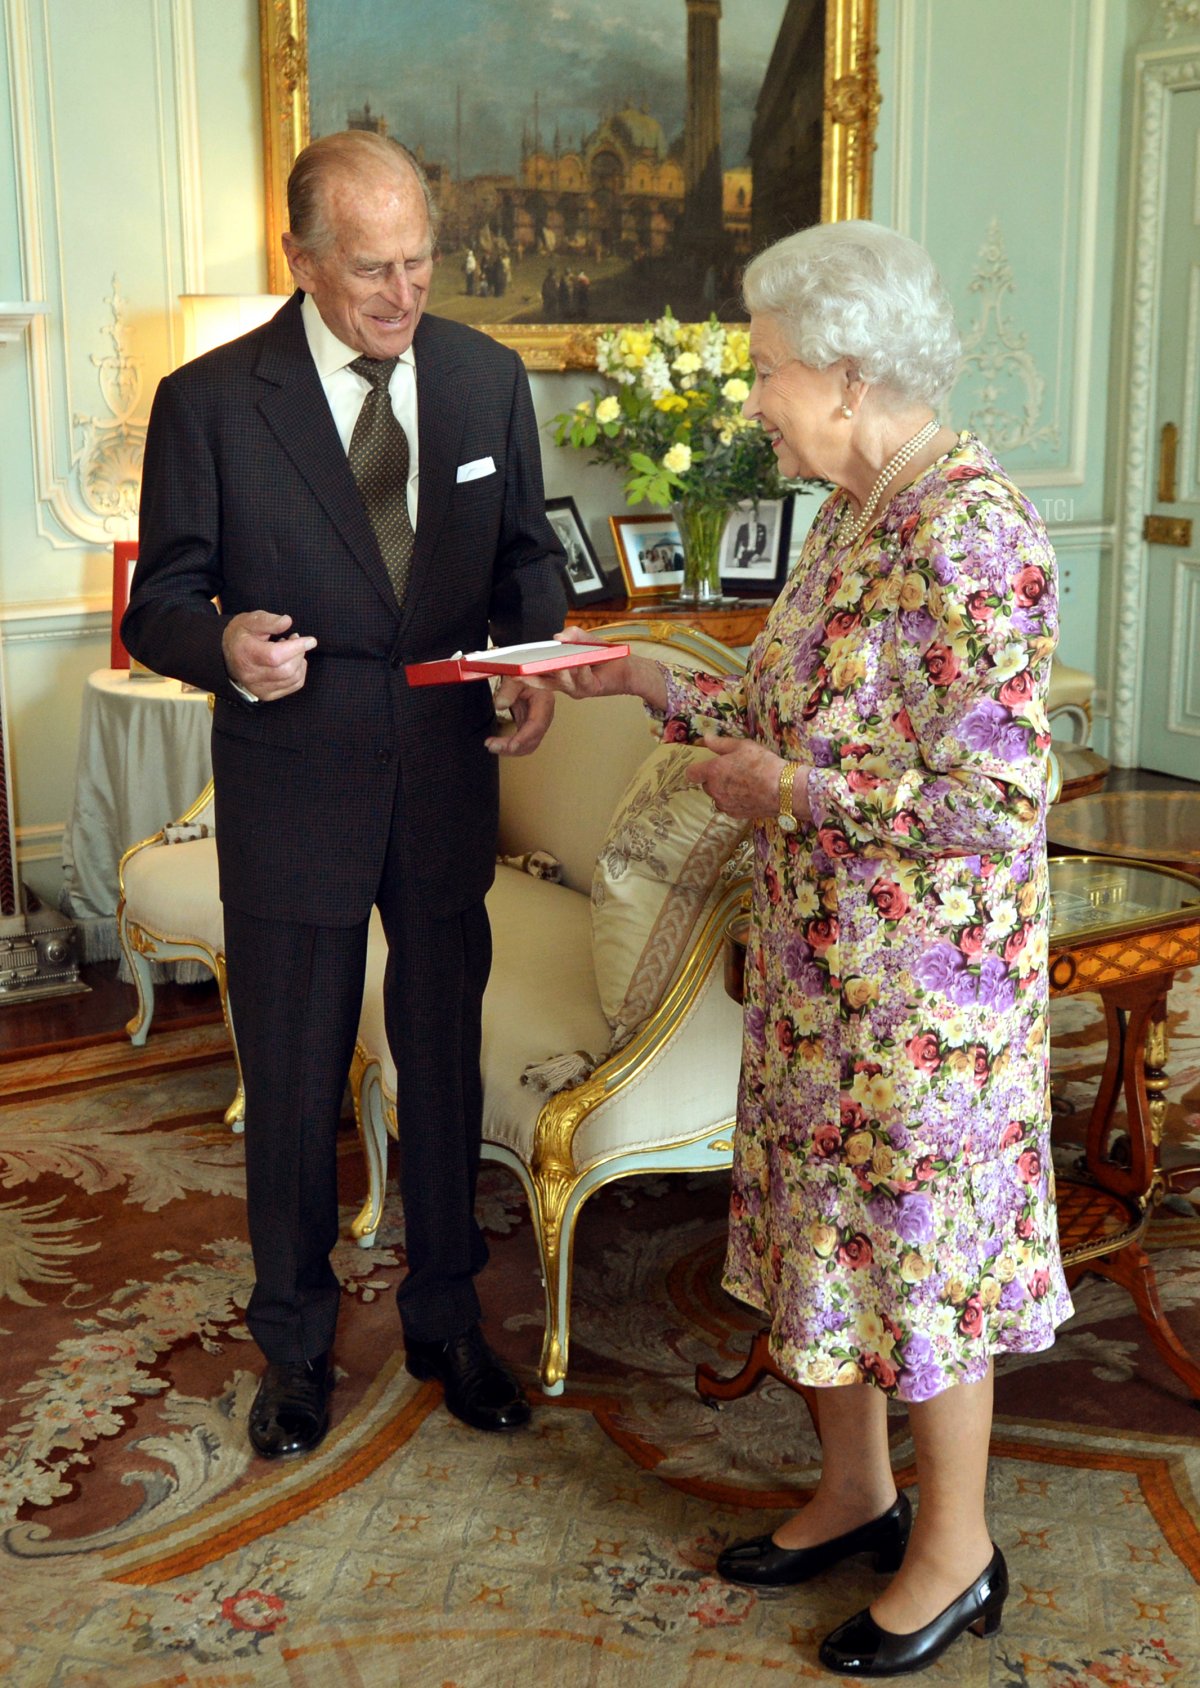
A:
141, 1545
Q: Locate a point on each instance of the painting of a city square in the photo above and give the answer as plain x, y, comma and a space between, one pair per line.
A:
594, 160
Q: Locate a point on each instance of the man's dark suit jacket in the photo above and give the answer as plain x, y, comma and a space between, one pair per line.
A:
247, 496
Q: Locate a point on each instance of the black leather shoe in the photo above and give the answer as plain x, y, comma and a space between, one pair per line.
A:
290, 1413
860, 1648
479, 1387
762, 1563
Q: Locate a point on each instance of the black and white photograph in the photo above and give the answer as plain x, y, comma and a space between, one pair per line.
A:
650, 553
584, 575
754, 548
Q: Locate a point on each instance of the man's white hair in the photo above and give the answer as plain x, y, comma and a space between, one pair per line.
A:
860, 291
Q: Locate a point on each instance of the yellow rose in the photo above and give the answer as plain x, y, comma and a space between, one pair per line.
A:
1027, 899
868, 1330
687, 363
848, 1372
671, 401
735, 391
858, 991
679, 459
846, 671
858, 1147
823, 1239
955, 1292
821, 1371
960, 1063
912, 591
584, 407
989, 1292
883, 1161
914, 1268
1005, 1268
608, 410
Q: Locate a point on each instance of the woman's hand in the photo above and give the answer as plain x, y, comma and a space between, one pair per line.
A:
631, 676
743, 779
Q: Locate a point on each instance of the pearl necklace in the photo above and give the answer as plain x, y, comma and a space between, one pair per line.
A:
851, 530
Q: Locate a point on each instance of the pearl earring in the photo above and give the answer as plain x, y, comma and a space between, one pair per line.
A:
847, 413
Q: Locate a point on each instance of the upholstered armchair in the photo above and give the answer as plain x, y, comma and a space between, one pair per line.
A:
610, 1046
170, 910
1069, 701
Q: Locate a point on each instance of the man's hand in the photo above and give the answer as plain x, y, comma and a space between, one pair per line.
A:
259, 658
743, 779
531, 709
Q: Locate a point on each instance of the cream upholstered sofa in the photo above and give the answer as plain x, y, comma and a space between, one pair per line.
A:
170, 910
619, 965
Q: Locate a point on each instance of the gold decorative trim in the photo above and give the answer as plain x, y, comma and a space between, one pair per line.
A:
851, 110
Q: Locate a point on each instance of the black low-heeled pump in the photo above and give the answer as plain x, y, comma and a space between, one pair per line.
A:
761, 1562
859, 1647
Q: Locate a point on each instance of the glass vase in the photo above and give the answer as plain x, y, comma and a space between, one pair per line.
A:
701, 525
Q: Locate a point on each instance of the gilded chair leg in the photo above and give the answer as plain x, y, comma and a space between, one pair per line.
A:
142, 975
366, 1090
235, 1113
554, 1216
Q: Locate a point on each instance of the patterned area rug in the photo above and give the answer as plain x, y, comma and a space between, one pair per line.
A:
142, 1546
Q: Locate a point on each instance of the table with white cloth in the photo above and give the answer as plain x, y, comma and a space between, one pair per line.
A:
144, 757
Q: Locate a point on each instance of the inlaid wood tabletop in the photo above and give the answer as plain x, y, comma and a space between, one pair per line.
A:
1145, 826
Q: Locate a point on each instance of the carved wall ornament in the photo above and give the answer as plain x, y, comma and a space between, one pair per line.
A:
997, 353
108, 459
1179, 14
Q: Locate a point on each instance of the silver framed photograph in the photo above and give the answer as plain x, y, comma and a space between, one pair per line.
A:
754, 548
583, 574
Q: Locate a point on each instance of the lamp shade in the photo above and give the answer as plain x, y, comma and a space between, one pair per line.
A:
210, 319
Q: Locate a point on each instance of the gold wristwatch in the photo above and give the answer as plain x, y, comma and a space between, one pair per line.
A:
787, 779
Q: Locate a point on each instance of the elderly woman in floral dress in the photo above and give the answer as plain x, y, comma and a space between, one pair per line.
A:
892, 1210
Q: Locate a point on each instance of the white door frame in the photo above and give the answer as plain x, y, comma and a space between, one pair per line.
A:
1161, 72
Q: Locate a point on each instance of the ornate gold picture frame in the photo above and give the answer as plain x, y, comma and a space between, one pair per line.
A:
849, 105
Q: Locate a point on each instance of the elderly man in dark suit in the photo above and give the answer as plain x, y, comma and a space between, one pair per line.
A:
359, 487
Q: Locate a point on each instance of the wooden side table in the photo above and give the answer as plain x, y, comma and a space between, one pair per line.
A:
1122, 930
1158, 827
737, 622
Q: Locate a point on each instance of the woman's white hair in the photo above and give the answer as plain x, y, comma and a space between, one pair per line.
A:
859, 291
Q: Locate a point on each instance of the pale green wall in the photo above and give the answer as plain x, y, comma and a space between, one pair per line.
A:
130, 144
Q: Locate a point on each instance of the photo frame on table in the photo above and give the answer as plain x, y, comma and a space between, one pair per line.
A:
650, 552
607, 208
754, 548
583, 575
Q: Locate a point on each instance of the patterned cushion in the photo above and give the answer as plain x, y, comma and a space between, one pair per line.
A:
658, 874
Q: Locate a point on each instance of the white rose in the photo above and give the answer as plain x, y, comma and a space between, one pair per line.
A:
678, 460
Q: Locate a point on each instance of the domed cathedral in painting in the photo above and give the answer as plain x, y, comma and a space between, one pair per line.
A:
621, 189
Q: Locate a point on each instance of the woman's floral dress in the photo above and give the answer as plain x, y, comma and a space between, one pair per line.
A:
893, 1199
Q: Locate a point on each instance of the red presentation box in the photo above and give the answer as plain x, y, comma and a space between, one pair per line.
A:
541, 658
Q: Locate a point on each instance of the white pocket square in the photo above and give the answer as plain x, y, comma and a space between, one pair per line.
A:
476, 471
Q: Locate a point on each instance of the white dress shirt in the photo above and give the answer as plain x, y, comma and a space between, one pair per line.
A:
346, 390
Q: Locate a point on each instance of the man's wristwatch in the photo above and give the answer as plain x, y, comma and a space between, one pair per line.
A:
787, 779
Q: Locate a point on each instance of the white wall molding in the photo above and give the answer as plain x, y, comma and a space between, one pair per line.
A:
76, 621
916, 123
40, 843
1160, 73
87, 487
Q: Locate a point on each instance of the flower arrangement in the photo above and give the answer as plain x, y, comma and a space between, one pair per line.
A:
673, 415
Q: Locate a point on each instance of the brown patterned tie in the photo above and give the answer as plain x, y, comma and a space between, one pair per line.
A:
379, 463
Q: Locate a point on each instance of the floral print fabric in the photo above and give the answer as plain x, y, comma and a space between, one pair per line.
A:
893, 1204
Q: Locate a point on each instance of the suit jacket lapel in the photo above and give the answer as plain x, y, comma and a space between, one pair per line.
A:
297, 412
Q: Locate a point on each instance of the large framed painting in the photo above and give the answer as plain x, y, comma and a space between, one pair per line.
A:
594, 162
